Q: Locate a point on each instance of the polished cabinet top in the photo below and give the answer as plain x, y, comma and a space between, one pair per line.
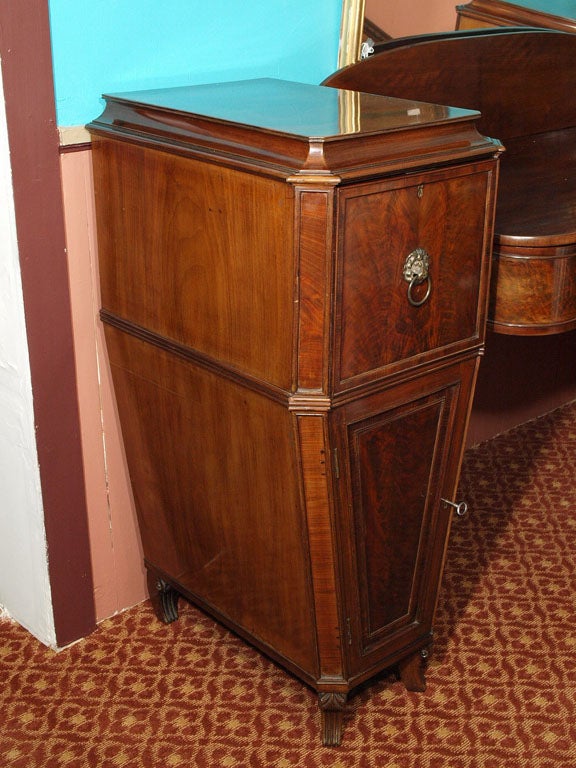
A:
557, 7
293, 108
564, 8
288, 127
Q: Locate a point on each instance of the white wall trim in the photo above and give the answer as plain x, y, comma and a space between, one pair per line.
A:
73, 134
24, 577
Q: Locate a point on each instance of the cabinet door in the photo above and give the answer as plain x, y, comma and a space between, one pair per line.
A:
435, 224
398, 455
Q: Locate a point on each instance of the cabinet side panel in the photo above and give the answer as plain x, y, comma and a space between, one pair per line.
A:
214, 473
198, 253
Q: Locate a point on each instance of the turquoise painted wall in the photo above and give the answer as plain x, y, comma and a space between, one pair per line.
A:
108, 46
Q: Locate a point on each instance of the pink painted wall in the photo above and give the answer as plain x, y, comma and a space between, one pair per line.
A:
117, 560
412, 17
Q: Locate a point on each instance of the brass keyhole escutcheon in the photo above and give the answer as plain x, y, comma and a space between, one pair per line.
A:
416, 271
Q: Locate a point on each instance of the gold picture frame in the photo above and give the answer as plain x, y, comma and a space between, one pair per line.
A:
351, 28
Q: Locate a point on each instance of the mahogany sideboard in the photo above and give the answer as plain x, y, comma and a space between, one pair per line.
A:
522, 82
550, 14
294, 284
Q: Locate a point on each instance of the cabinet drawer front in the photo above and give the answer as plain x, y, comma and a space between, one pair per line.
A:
383, 321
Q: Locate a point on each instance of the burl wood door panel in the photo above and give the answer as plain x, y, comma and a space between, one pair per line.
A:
378, 330
401, 462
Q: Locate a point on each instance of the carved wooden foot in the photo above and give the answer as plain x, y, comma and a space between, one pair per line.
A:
412, 671
332, 706
164, 598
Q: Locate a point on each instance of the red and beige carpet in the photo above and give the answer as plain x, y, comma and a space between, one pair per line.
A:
501, 686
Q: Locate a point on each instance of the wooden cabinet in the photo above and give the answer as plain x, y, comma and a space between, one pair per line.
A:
294, 287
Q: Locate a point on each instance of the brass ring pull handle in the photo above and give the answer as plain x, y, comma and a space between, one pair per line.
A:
416, 271
417, 281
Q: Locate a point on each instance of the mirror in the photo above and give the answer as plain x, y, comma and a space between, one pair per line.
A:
351, 28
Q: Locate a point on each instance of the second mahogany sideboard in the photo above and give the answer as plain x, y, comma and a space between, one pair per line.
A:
294, 285
548, 14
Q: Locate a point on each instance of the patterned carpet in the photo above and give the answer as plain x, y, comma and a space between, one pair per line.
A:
501, 686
